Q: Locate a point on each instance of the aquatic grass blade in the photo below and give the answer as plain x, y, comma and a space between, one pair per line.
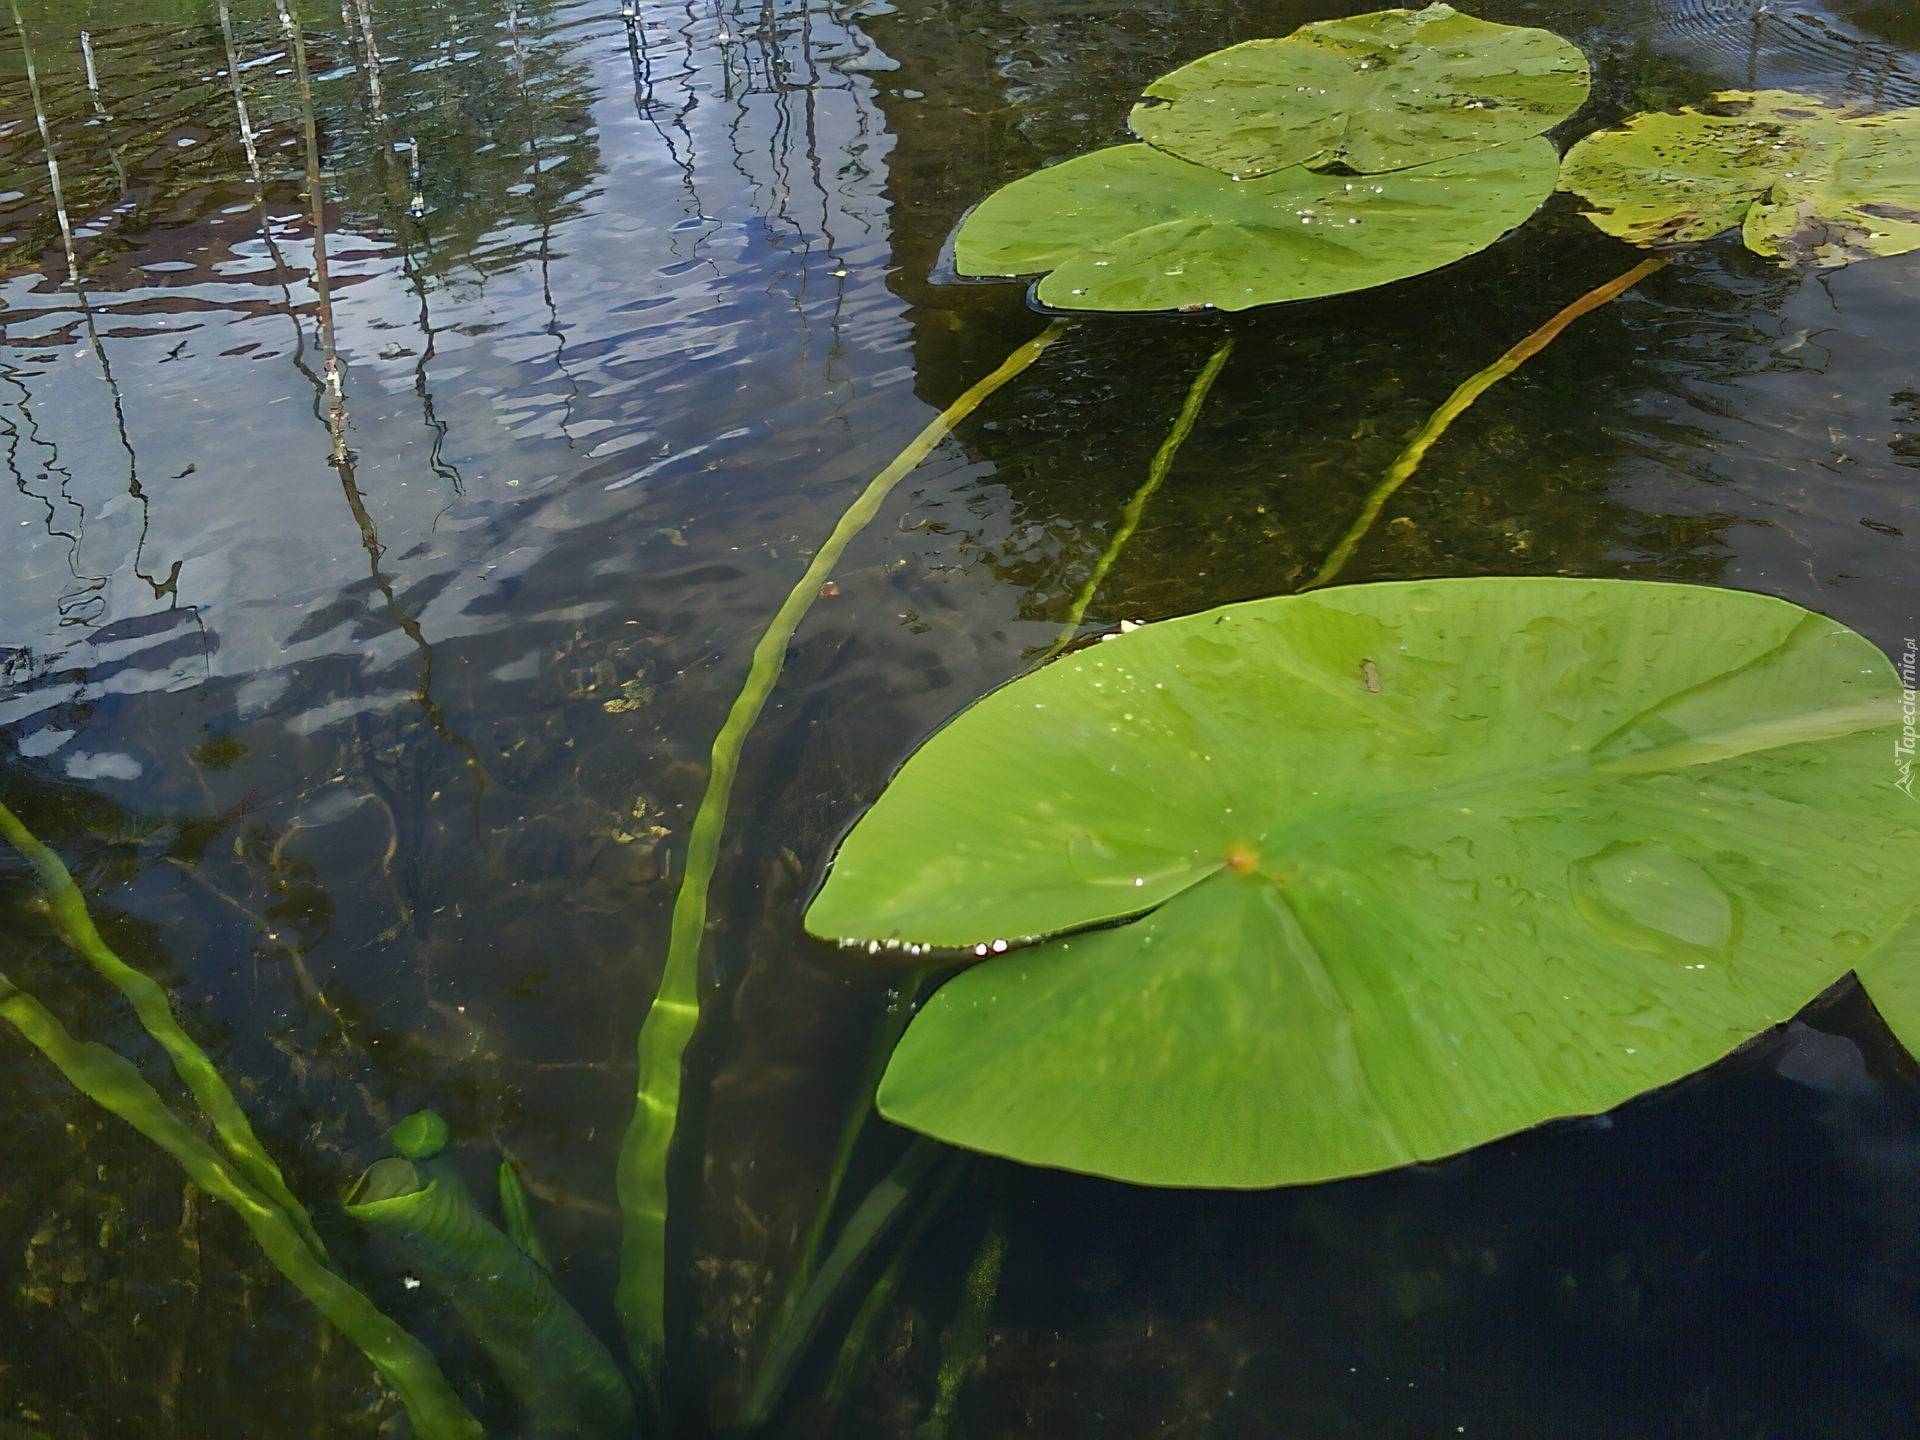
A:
151, 1004
807, 1251
863, 1230
670, 1022
566, 1381
112, 1082
519, 1215
854, 1346
1157, 472
965, 1344
1468, 391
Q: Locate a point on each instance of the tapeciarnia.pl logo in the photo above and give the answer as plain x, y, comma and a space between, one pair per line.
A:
1903, 746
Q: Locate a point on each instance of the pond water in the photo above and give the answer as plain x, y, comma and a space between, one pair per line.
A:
386, 768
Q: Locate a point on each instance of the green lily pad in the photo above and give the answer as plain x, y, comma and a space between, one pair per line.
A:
1891, 978
1130, 228
1370, 93
1339, 881
1802, 181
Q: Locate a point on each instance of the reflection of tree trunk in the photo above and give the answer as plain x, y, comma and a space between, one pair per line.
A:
46, 140
376, 105
335, 390
88, 591
415, 208
373, 64
260, 196
239, 93
336, 418
370, 538
171, 585
642, 62
541, 209
93, 85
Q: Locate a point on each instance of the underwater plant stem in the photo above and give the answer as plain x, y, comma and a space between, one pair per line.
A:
1469, 390
110, 1080
807, 1253
863, 1230
966, 1341
854, 1348
150, 1003
1156, 472
675, 1011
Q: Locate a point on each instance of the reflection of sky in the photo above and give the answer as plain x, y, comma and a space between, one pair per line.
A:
724, 268
714, 288
1785, 45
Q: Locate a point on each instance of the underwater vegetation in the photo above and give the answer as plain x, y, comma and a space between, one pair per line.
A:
1307, 887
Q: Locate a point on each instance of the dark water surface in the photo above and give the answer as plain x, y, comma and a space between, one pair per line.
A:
387, 769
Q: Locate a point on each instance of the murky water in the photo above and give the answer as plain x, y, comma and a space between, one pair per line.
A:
387, 768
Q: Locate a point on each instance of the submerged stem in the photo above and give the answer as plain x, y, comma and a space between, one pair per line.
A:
854, 1349
864, 1229
670, 1021
807, 1253
112, 1082
966, 1339
1469, 390
1156, 472
150, 1003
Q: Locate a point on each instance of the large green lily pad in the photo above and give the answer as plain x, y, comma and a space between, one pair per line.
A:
1130, 228
1891, 979
1801, 181
1375, 874
1370, 93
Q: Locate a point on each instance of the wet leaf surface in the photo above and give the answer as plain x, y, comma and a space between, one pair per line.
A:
1803, 180
1583, 839
1131, 228
1368, 93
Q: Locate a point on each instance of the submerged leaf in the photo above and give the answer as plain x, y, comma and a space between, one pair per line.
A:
1129, 228
1426, 864
1370, 93
564, 1378
1802, 181
420, 1136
